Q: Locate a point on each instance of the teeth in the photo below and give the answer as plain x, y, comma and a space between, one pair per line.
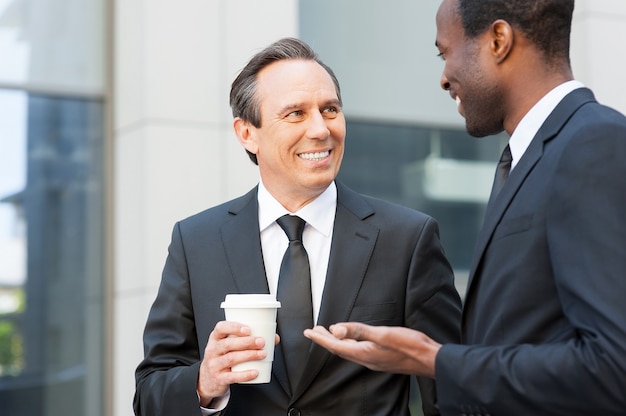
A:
458, 100
317, 156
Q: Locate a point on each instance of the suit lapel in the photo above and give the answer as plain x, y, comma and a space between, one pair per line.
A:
503, 199
352, 246
550, 128
242, 244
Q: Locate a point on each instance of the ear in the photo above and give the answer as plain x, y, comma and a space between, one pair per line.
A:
246, 135
502, 40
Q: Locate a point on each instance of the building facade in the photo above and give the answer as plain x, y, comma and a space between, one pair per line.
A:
115, 124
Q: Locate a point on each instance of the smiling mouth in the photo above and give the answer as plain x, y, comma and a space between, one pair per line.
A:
458, 101
315, 156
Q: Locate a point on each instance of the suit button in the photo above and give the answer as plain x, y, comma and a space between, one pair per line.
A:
293, 412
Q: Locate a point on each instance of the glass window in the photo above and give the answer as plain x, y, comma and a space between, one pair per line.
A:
53, 45
51, 206
50, 249
443, 172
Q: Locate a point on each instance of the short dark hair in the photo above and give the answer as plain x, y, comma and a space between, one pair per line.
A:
546, 23
243, 98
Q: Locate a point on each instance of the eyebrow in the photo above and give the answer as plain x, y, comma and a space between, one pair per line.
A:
289, 107
334, 101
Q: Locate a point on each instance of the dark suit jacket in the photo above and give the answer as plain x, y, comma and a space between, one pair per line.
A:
545, 311
386, 267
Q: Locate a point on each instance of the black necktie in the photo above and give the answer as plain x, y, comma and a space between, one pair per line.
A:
294, 293
502, 172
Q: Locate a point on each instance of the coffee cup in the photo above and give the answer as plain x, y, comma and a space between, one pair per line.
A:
258, 312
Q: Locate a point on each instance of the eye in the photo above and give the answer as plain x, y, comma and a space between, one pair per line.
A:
296, 113
440, 55
331, 111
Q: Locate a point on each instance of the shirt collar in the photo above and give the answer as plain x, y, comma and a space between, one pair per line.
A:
532, 121
319, 213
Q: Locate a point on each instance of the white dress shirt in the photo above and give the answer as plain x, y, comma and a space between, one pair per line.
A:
319, 215
538, 114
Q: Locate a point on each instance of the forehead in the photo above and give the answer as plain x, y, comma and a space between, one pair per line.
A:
448, 22
290, 79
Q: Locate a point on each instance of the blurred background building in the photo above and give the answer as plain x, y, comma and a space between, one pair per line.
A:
114, 123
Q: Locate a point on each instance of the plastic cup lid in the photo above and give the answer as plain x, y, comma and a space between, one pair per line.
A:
248, 300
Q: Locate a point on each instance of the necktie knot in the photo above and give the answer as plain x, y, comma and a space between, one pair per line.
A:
506, 157
293, 226
502, 172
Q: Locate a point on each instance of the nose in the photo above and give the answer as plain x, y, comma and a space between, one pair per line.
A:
317, 128
445, 84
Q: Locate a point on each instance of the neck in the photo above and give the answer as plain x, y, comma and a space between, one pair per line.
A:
296, 199
530, 87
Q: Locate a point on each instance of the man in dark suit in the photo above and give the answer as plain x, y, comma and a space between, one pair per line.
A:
544, 320
370, 261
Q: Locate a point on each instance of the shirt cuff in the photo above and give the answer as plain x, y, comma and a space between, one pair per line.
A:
216, 406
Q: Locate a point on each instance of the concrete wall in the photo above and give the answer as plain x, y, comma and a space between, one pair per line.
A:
597, 50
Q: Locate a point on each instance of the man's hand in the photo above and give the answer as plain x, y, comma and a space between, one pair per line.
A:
229, 344
380, 348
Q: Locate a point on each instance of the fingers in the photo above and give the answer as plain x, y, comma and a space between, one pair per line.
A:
345, 330
320, 335
331, 340
352, 330
229, 344
347, 348
228, 327
224, 329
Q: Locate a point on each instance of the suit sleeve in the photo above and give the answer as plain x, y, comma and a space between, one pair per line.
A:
166, 378
582, 372
433, 303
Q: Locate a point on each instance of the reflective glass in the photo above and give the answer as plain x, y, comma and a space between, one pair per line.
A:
51, 277
443, 172
53, 44
50, 255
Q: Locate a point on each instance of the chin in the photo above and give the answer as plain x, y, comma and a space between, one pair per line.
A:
478, 130
320, 183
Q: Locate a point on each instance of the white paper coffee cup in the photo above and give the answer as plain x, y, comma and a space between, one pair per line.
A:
258, 311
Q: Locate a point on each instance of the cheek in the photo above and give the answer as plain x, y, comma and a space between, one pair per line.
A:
459, 71
337, 129
339, 135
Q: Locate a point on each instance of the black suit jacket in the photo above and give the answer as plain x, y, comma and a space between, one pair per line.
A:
386, 267
545, 311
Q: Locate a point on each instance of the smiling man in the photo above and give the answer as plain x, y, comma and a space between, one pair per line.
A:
298, 141
368, 261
